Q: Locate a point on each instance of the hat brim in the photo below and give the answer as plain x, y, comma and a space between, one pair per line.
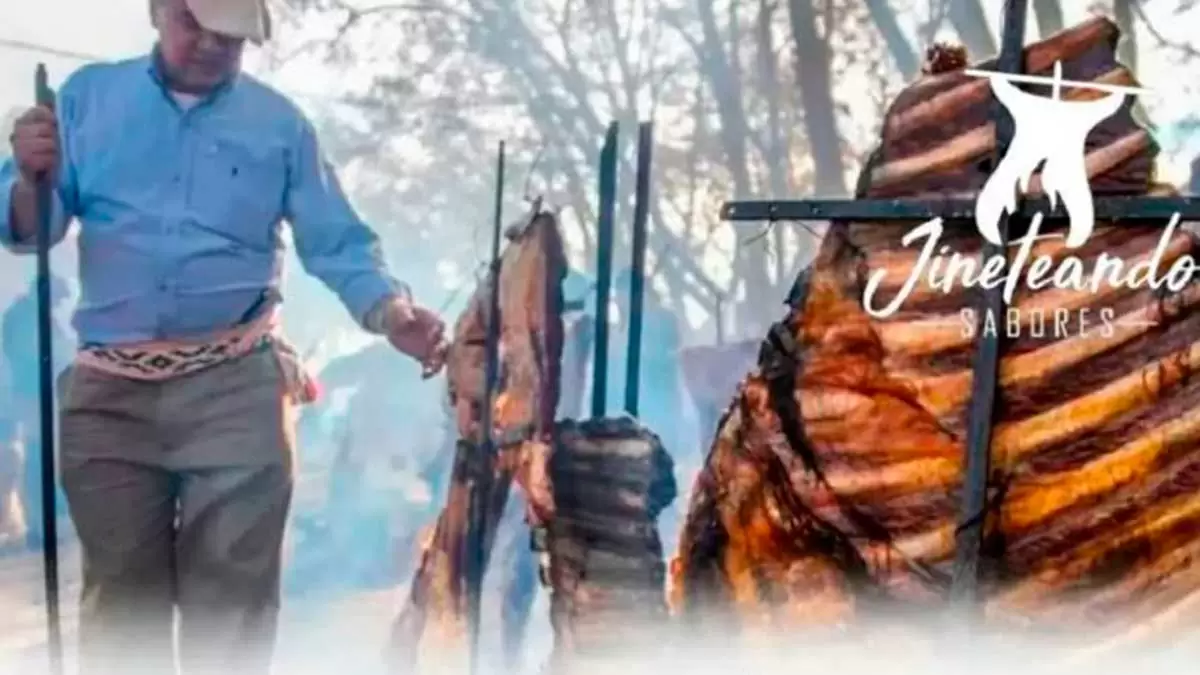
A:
242, 19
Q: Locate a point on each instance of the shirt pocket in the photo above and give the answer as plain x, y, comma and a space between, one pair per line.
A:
239, 188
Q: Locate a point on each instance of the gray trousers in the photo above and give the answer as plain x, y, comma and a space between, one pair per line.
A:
179, 491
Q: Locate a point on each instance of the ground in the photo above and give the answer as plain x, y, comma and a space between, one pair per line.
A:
348, 630
339, 631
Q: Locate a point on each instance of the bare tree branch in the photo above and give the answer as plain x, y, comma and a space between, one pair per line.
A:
354, 16
1185, 49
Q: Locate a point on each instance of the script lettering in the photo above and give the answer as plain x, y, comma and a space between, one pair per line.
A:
1070, 273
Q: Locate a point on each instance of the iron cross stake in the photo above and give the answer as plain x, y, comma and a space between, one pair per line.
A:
973, 506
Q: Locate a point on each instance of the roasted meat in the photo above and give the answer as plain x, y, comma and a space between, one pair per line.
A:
831, 491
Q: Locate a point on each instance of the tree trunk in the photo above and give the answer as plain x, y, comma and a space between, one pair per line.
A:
816, 96
968, 18
727, 94
1127, 49
779, 168
903, 54
1049, 17
728, 91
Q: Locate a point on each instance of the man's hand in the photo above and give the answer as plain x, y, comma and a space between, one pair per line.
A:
417, 332
34, 142
35, 148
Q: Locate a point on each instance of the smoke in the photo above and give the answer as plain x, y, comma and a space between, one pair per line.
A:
931, 646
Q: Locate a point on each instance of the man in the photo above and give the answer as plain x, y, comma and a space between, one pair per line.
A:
176, 431
19, 344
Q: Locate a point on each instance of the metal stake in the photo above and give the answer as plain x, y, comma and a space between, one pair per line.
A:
637, 270
964, 585
604, 245
480, 491
45, 97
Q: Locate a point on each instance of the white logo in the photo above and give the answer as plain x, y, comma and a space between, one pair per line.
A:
1050, 134
1051, 130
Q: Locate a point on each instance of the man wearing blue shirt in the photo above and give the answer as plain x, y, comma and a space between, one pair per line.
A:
176, 429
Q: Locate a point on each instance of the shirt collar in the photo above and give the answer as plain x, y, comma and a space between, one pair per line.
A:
154, 67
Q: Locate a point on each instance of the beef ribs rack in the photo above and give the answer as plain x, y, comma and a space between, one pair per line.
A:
835, 484
434, 620
594, 488
611, 479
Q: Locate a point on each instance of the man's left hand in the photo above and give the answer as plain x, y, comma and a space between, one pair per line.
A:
417, 332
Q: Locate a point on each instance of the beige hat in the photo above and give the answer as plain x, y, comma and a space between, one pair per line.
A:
247, 19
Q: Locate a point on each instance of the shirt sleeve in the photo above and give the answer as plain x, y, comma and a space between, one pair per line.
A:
63, 199
332, 242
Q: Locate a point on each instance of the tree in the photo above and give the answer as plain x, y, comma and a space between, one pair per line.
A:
727, 83
1049, 15
1123, 12
970, 21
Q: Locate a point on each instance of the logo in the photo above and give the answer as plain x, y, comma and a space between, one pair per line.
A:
1050, 134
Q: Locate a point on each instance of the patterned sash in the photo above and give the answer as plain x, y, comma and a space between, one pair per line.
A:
164, 359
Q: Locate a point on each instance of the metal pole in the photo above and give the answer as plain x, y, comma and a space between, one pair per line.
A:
604, 246
637, 280
45, 97
973, 514
480, 490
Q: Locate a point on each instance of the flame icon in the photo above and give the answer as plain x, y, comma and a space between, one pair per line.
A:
1051, 133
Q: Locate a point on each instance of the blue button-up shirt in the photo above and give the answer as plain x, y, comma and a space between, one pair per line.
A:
180, 210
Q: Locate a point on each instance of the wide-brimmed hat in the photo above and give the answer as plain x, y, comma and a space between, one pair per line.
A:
248, 19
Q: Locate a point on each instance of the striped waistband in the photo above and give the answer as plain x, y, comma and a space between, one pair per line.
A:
164, 360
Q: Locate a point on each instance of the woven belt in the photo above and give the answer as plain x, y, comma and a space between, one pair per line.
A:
157, 361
